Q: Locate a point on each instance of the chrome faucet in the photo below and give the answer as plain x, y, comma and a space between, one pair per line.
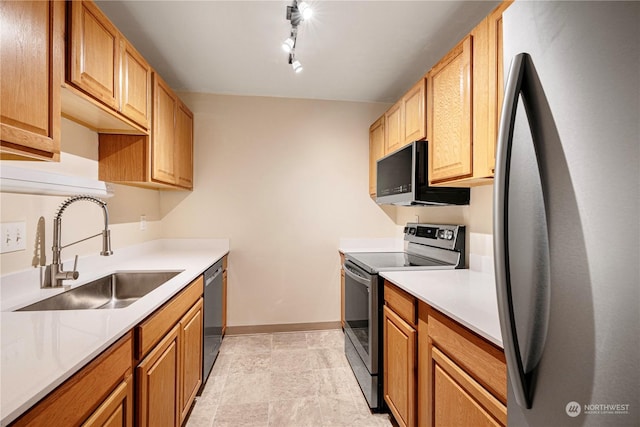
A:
55, 273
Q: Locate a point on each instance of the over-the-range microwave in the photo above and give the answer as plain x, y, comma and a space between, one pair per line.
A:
402, 180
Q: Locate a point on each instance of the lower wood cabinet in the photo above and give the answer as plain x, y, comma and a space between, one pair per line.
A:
437, 372
190, 340
169, 344
462, 377
342, 289
225, 261
116, 410
157, 379
98, 394
399, 368
400, 346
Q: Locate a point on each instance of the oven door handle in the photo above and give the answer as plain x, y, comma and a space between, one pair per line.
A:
352, 274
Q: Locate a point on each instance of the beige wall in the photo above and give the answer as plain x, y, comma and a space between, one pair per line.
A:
284, 179
79, 157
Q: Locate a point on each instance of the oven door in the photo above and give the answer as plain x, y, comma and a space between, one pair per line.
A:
361, 313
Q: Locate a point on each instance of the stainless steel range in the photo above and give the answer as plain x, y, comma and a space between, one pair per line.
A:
427, 247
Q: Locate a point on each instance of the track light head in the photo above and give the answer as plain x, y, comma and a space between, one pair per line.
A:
297, 66
305, 10
288, 44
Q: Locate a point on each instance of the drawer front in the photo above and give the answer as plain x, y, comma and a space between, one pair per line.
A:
152, 330
401, 302
459, 400
480, 359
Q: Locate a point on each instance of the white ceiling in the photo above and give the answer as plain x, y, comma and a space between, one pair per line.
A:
350, 50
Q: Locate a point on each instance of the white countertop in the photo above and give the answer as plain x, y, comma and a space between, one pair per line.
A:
40, 350
466, 296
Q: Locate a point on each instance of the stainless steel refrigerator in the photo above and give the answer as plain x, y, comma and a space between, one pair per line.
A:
566, 213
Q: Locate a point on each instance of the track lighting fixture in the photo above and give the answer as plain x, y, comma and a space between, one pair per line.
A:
296, 13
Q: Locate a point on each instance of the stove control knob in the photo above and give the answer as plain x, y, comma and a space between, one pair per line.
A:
412, 231
441, 234
449, 235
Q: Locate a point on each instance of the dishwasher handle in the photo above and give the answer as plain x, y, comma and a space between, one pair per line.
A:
209, 279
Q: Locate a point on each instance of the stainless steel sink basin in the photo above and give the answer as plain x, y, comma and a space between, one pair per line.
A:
113, 291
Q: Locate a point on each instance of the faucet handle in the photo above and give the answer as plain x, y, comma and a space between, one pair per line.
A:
75, 273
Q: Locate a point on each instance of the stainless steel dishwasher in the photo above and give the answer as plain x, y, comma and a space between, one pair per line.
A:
212, 319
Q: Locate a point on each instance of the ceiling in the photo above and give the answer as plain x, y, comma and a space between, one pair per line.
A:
351, 50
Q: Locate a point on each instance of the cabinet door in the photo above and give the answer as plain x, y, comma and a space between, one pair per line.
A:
95, 53
31, 54
458, 400
191, 357
496, 79
136, 85
415, 123
163, 165
399, 368
184, 146
116, 410
450, 85
157, 384
376, 152
394, 132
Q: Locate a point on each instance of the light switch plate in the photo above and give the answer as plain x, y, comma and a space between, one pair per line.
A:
13, 236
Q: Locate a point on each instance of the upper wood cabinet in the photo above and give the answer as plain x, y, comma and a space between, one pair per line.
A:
135, 85
94, 53
184, 145
464, 97
393, 131
172, 137
450, 128
496, 80
414, 113
108, 82
163, 160
163, 164
376, 151
32, 58
405, 121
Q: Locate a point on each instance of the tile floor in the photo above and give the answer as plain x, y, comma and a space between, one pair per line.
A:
293, 379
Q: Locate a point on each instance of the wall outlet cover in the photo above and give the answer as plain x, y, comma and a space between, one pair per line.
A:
13, 236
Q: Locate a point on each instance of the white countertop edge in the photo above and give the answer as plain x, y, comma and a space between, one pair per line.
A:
18, 396
487, 328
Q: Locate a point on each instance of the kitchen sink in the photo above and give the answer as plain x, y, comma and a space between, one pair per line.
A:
116, 290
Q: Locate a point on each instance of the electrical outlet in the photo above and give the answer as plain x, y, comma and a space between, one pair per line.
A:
143, 222
13, 236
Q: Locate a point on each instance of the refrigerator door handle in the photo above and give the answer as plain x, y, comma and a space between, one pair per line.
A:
501, 235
